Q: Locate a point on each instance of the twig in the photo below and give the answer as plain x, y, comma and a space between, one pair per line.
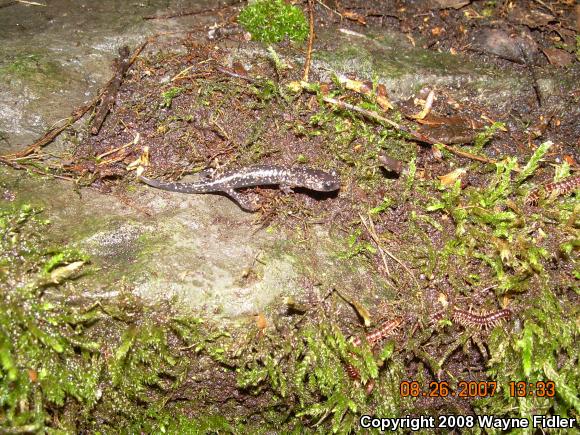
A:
182, 73
77, 114
186, 13
135, 141
310, 42
30, 3
414, 133
329, 8
533, 76
51, 134
15, 165
235, 74
372, 232
376, 240
108, 100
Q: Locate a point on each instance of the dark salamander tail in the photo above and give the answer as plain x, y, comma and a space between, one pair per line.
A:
172, 187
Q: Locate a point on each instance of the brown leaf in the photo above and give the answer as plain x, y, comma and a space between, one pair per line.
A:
261, 321
353, 16
426, 107
239, 68
532, 18
32, 375
558, 57
570, 160
455, 4
437, 31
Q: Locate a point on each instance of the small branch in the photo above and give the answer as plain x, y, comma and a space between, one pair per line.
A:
77, 114
30, 3
13, 164
414, 133
372, 232
235, 74
321, 3
310, 42
110, 94
375, 238
187, 13
52, 134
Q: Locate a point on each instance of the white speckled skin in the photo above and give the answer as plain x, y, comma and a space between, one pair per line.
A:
259, 175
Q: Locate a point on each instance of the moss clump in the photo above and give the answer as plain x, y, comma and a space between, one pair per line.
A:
272, 20
36, 69
169, 95
544, 350
78, 369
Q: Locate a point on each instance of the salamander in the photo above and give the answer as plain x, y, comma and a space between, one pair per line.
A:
260, 175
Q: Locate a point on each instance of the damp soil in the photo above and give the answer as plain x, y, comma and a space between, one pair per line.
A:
396, 242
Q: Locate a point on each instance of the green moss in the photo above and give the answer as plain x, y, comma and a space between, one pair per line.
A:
64, 367
307, 369
544, 349
169, 95
487, 134
488, 229
36, 69
272, 20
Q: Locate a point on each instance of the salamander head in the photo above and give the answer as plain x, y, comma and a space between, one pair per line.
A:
323, 181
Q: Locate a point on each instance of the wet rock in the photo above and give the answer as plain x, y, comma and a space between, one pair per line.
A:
519, 48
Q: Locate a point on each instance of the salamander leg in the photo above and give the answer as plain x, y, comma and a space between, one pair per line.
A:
207, 174
243, 201
286, 188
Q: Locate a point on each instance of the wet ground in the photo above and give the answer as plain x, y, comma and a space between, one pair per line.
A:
55, 58
447, 243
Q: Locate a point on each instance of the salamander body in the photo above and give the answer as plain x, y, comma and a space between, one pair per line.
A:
259, 175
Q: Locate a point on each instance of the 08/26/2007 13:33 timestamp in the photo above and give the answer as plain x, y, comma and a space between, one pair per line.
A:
477, 389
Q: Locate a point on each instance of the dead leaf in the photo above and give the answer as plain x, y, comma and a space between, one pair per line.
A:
437, 31
455, 4
61, 273
261, 321
450, 178
442, 299
520, 48
532, 18
558, 57
363, 312
353, 16
504, 251
32, 375
426, 106
570, 160
365, 88
390, 164
239, 68
292, 305
142, 161
359, 307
